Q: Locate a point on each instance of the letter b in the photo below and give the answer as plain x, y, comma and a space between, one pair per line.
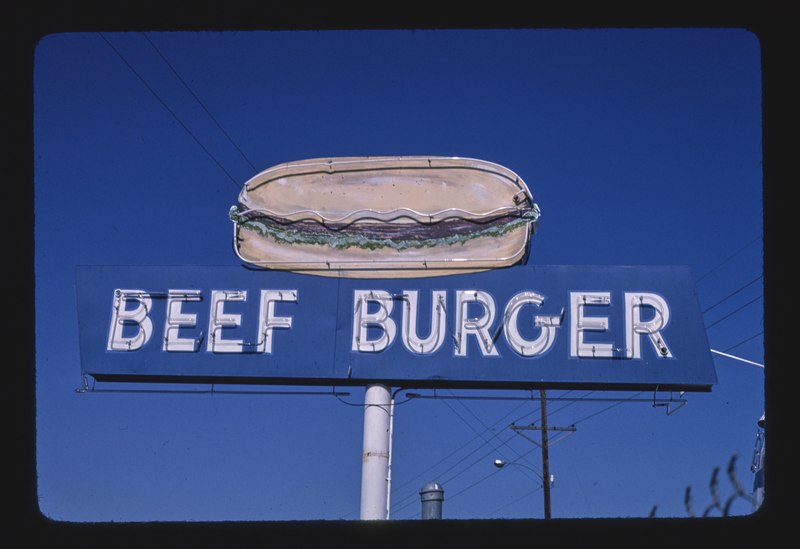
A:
121, 317
362, 320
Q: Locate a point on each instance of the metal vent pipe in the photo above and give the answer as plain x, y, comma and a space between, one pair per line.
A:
432, 496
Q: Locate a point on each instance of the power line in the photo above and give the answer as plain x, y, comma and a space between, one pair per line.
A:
756, 279
473, 429
473, 485
607, 408
481, 422
470, 441
400, 503
445, 481
469, 487
189, 89
529, 451
406, 501
734, 254
517, 500
568, 404
733, 312
454, 476
486, 441
481, 459
175, 116
744, 341
399, 487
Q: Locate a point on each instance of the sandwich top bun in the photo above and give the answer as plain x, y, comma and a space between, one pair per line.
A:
384, 217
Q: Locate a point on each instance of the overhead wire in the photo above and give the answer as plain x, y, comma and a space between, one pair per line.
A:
447, 480
614, 405
622, 401
732, 347
724, 299
471, 486
726, 260
407, 501
567, 405
514, 501
164, 104
409, 498
714, 352
453, 496
189, 89
451, 454
733, 312
729, 296
400, 501
576, 400
400, 486
497, 449
475, 483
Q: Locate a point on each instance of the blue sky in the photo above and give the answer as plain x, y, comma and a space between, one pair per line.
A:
641, 146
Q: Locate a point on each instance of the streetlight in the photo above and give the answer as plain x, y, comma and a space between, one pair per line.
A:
500, 463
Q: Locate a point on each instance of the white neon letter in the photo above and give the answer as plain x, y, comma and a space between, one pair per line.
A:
634, 326
219, 320
411, 339
362, 320
121, 317
580, 324
479, 327
548, 325
267, 321
176, 319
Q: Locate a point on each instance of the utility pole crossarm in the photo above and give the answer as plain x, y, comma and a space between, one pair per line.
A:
518, 428
544, 446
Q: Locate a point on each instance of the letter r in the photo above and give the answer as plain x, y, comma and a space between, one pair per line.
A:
635, 326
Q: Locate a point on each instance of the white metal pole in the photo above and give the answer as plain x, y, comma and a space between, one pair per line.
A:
375, 457
389, 465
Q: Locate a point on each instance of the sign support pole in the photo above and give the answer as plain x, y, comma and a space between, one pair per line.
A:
375, 456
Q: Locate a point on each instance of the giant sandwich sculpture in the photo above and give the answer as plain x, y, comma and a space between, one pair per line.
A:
384, 217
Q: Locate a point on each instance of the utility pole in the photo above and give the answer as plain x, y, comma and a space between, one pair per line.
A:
544, 446
545, 456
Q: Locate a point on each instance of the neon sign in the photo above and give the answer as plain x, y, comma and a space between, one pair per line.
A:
526, 326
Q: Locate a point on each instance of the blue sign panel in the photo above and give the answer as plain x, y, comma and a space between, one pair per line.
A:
608, 327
